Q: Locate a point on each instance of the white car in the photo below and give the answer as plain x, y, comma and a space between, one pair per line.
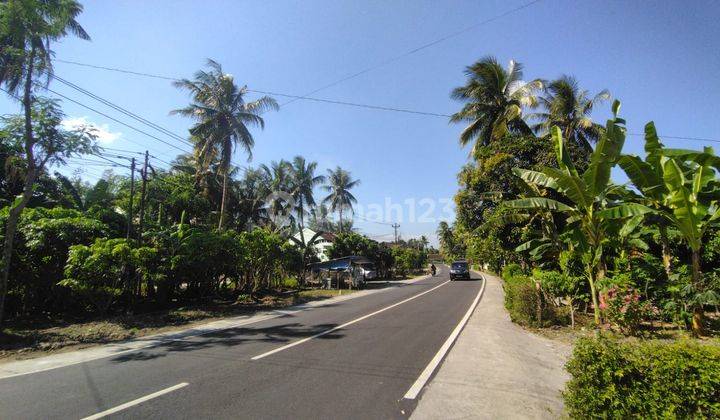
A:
368, 270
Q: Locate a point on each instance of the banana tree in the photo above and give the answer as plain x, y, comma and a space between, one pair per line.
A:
647, 176
593, 199
682, 188
545, 242
693, 201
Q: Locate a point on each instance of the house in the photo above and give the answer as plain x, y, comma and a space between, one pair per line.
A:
322, 241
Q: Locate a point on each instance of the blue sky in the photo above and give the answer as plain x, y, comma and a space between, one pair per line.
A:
660, 58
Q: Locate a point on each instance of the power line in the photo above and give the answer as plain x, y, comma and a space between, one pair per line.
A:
371, 221
116, 120
348, 77
415, 50
345, 103
358, 105
122, 110
265, 92
678, 137
122, 150
134, 116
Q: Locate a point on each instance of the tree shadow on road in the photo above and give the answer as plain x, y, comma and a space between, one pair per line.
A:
231, 337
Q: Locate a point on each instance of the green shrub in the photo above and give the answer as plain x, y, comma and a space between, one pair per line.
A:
521, 300
623, 307
511, 270
100, 273
290, 283
408, 259
205, 259
643, 380
43, 239
526, 303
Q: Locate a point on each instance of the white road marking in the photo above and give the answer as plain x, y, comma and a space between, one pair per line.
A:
415, 389
136, 402
304, 340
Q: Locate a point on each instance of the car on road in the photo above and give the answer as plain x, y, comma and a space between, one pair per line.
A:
459, 270
369, 271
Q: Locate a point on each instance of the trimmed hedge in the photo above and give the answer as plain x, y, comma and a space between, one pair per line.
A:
611, 379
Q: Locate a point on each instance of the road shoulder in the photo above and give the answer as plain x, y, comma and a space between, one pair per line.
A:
496, 369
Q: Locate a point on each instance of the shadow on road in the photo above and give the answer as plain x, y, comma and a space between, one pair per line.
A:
231, 337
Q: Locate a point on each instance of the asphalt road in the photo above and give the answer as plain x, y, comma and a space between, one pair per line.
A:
361, 370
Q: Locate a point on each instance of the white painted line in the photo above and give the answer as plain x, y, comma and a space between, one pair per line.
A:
415, 389
136, 402
304, 340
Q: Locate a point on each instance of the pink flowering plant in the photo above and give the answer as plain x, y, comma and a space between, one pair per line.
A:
624, 308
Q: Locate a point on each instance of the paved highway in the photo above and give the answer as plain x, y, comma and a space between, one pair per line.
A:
355, 359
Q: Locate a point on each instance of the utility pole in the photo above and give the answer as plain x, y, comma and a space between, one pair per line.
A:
143, 173
395, 226
132, 193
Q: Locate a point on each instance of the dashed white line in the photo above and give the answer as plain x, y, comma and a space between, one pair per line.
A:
136, 402
304, 340
415, 389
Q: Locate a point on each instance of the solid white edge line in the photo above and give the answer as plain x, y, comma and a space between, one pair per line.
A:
304, 340
415, 389
136, 402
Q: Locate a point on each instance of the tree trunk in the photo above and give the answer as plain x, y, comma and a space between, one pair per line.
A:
666, 254
594, 295
301, 228
341, 223
698, 312
30, 175
538, 296
222, 201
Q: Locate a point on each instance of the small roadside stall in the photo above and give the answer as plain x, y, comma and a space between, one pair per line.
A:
340, 272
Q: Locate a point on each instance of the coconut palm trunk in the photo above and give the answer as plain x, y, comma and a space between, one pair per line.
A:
222, 201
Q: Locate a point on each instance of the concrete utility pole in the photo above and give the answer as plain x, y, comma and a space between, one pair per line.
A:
396, 226
132, 193
143, 173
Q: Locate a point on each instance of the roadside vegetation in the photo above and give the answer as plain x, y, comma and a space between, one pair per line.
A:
138, 252
638, 263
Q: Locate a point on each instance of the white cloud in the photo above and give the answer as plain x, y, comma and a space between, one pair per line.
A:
102, 131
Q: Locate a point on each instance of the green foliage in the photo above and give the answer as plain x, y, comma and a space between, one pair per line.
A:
44, 237
623, 307
612, 379
408, 260
290, 283
102, 272
206, 258
267, 259
523, 301
512, 270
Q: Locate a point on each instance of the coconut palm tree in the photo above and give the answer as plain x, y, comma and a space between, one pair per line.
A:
339, 184
320, 218
27, 29
223, 117
279, 177
494, 99
569, 107
304, 182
